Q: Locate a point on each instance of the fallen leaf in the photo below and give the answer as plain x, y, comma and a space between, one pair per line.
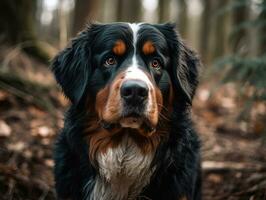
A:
214, 178
18, 146
49, 162
5, 129
44, 131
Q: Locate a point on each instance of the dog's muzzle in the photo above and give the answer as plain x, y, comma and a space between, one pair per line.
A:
134, 94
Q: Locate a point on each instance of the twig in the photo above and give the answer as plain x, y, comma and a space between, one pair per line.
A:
11, 172
257, 187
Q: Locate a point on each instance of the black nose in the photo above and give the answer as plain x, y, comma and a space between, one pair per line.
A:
134, 91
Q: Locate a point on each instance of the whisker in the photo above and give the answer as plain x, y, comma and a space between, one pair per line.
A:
164, 117
162, 106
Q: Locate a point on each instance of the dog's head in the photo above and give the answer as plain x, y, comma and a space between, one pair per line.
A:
128, 73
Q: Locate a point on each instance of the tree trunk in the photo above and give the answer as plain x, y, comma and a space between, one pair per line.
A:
240, 15
163, 10
205, 29
262, 29
62, 26
17, 26
119, 10
182, 17
129, 10
17, 20
219, 28
82, 15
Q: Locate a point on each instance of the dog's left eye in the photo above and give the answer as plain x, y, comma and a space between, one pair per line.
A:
155, 63
110, 61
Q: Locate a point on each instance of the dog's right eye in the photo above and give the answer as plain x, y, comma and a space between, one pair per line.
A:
110, 61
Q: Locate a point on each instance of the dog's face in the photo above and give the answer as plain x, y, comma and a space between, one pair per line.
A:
131, 64
129, 73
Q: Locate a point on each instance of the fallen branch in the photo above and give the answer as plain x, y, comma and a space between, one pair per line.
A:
221, 167
255, 188
28, 90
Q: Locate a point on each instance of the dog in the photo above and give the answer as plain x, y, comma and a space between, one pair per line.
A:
128, 133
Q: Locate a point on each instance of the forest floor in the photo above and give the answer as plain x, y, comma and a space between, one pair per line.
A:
233, 148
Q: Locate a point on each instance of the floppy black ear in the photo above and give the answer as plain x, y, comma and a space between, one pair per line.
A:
184, 65
72, 66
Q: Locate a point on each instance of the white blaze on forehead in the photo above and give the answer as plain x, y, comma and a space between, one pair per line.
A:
135, 28
134, 72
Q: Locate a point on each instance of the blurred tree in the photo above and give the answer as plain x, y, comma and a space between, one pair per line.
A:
240, 15
17, 26
119, 10
219, 24
247, 71
163, 10
129, 10
62, 25
82, 15
182, 17
262, 28
17, 20
102, 10
205, 28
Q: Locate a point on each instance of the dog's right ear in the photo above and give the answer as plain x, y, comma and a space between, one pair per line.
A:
185, 63
72, 66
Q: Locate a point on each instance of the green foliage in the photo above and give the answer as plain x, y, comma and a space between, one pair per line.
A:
248, 71
234, 5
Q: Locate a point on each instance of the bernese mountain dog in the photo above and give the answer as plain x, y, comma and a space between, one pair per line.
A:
128, 133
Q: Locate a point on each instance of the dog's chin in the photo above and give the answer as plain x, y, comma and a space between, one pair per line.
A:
131, 122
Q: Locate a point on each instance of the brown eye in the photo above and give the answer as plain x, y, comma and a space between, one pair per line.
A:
110, 61
155, 64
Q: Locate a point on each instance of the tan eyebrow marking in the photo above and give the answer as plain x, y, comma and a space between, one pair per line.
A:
148, 48
119, 48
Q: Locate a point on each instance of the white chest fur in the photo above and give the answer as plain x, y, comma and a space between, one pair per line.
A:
124, 171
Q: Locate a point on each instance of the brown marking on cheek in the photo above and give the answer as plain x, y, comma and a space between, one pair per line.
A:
110, 101
157, 101
159, 98
101, 100
148, 48
119, 48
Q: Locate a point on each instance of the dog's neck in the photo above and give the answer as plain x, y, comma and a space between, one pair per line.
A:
124, 170
123, 159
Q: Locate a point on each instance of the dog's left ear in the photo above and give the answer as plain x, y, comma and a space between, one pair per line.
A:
184, 63
72, 66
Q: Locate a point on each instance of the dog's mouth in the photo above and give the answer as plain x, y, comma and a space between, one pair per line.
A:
132, 121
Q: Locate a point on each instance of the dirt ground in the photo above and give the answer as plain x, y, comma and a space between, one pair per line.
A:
233, 148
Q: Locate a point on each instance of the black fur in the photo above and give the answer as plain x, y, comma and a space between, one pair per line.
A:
78, 71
